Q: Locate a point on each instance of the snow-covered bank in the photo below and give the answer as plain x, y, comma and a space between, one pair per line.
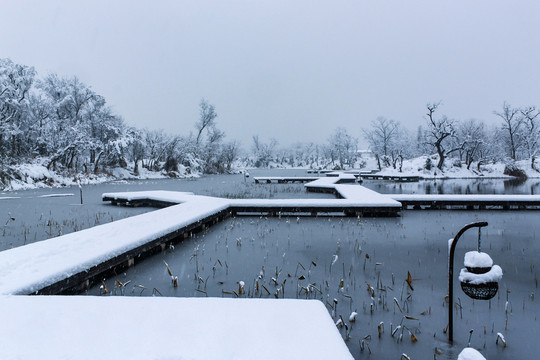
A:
86, 327
37, 175
425, 166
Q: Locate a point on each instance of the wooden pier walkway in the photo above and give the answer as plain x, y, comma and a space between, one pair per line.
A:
69, 263
328, 184
283, 179
397, 178
421, 201
469, 202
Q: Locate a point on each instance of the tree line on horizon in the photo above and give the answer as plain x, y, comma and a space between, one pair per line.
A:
72, 129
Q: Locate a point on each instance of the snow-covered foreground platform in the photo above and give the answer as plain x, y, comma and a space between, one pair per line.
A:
85, 327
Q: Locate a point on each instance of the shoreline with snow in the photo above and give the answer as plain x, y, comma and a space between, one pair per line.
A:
454, 169
36, 175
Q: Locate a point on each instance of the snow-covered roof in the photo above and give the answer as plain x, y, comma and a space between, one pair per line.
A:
87, 327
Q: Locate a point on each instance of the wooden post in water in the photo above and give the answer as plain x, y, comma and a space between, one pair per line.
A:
80, 191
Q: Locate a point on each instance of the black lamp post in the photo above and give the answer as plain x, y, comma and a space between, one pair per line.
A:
451, 275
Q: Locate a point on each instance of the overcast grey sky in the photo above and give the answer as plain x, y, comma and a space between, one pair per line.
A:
293, 70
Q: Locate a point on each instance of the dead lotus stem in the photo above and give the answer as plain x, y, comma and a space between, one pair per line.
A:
168, 268
104, 287
156, 291
397, 303
500, 337
202, 291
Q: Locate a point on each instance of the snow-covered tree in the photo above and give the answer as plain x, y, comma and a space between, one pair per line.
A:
471, 133
511, 126
342, 147
207, 115
230, 153
263, 152
15, 83
531, 136
439, 134
382, 137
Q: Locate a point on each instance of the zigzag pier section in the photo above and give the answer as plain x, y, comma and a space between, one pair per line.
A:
70, 263
339, 188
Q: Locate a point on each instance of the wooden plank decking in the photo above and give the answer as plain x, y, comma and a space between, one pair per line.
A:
397, 178
468, 202
283, 179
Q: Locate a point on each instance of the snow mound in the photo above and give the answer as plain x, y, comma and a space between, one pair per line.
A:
493, 275
477, 259
470, 354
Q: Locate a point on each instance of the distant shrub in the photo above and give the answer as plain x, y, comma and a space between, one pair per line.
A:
511, 169
428, 165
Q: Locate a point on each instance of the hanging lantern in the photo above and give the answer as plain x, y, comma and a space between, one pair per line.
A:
480, 278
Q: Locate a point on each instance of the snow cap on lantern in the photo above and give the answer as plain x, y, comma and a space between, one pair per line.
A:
480, 278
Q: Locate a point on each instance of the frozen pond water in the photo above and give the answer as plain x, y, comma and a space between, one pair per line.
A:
457, 186
374, 256
33, 215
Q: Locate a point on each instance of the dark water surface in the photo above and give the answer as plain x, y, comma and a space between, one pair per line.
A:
373, 259
457, 186
33, 215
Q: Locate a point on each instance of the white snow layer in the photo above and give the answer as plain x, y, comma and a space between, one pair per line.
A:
493, 275
25, 269
470, 354
481, 197
477, 259
355, 195
87, 327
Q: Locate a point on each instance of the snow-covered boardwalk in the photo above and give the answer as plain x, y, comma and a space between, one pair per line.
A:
398, 178
283, 179
85, 327
71, 261
505, 202
418, 201
58, 264
64, 263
